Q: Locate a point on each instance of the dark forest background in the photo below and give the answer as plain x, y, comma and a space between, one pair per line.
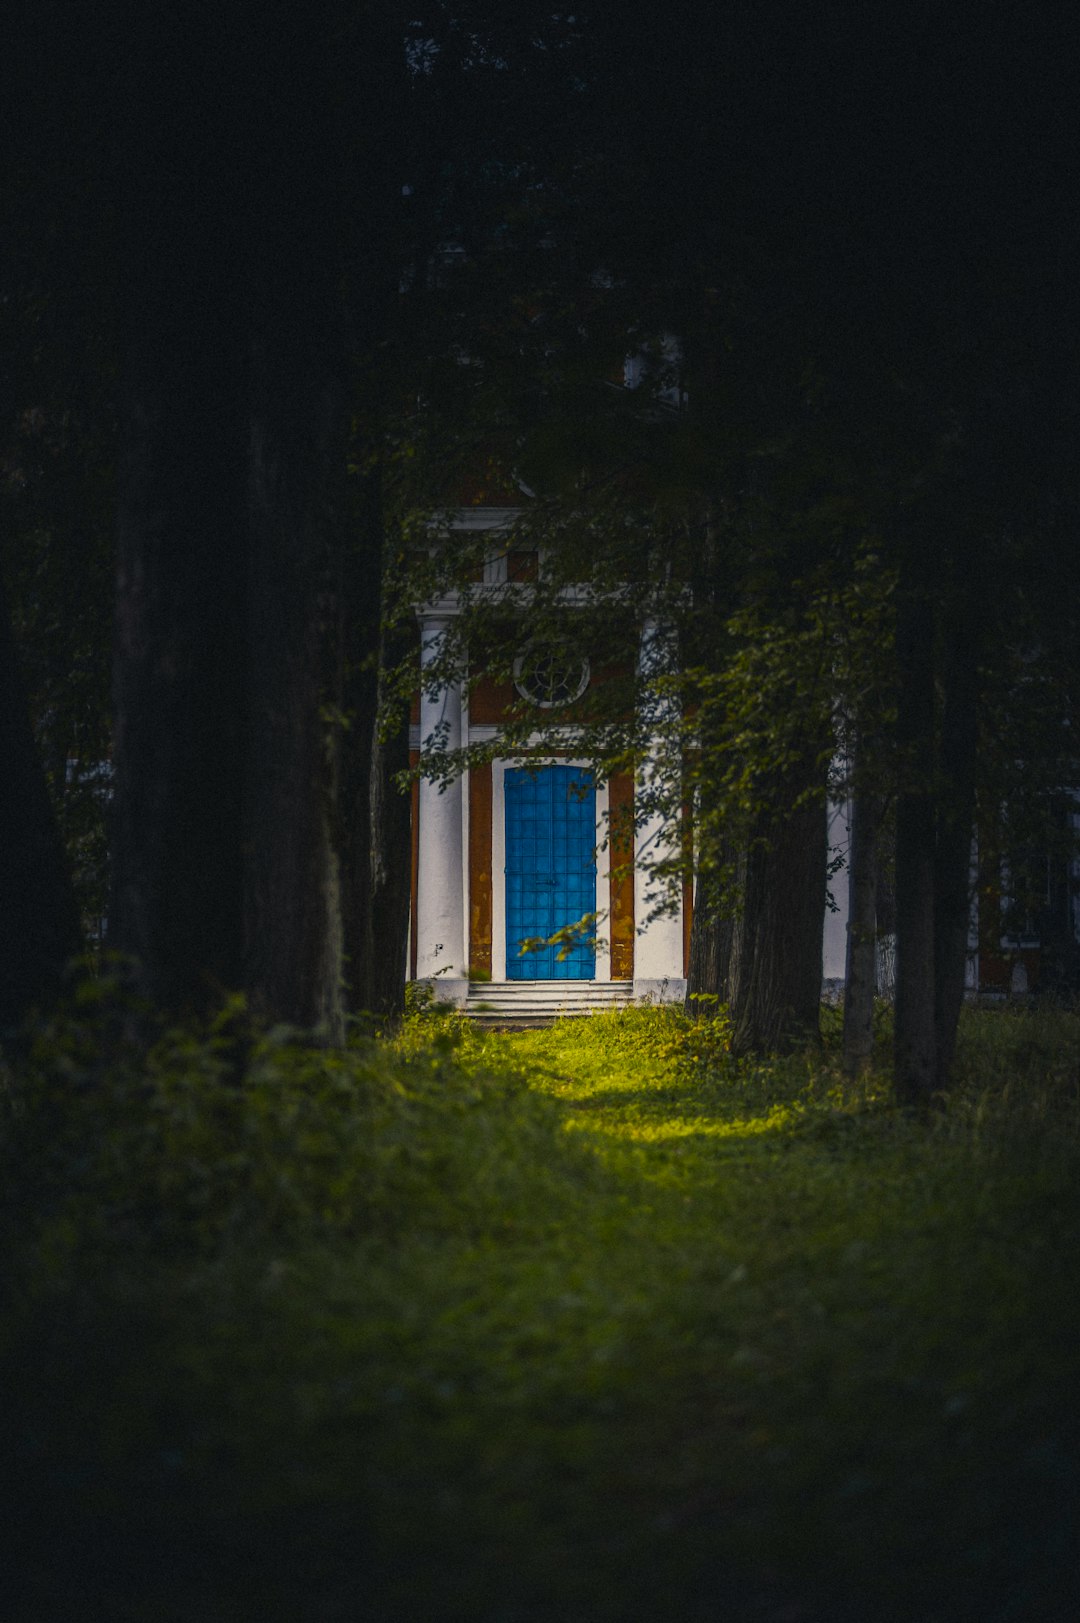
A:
275, 281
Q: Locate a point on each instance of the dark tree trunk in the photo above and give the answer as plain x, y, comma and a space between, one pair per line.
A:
861, 967
373, 853
363, 579
292, 901
40, 931
775, 974
711, 933
376, 813
915, 1046
232, 515
955, 826
299, 416
712, 924
296, 473
1059, 956
387, 921
712, 928
181, 628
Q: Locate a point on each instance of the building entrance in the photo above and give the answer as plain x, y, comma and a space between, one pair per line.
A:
550, 869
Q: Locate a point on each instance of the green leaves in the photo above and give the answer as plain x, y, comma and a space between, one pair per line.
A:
580, 1315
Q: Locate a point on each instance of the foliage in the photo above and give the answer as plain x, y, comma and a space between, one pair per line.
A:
214, 1138
748, 401
594, 1322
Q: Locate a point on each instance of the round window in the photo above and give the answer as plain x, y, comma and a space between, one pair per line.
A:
550, 677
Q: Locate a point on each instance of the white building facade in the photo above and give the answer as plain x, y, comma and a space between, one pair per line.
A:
512, 851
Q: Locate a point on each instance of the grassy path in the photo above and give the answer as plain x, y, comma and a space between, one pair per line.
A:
583, 1325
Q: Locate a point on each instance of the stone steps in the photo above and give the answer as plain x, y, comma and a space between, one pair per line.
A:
508, 1005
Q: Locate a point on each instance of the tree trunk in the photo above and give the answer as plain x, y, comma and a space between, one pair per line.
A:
292, 902
181, 626
712, 933
375, 821
776, 951
955, 827
1059, 956
40, 932
363, 595
387, 933
712, 923
711, 930
915, 1046
228, 657
861, 967
376, 814
294, 945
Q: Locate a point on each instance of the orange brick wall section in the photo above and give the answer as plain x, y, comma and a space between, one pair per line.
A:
489, 701
480, 869
621, 919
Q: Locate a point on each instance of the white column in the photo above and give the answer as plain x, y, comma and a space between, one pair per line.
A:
440, 902
658, 948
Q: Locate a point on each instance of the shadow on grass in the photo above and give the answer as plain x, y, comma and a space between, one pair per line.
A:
507, 1354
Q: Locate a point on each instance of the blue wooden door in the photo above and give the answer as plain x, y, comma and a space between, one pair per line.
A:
550, 869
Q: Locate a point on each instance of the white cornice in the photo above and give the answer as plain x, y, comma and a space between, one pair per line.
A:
483, 518
518, 594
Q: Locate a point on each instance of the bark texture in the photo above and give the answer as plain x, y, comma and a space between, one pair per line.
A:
40, 932
955, 823
861, 966
357, 757
915, 1043
775, 974
181, 625
229, 661
387, 918
711, 933
376, 819
292, 902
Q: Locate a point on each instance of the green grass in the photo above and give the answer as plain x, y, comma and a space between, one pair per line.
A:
588, 1324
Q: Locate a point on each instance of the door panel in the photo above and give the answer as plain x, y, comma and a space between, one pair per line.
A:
550, 868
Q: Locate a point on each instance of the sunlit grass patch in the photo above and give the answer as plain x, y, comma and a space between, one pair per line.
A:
778, 1119
592, 1323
